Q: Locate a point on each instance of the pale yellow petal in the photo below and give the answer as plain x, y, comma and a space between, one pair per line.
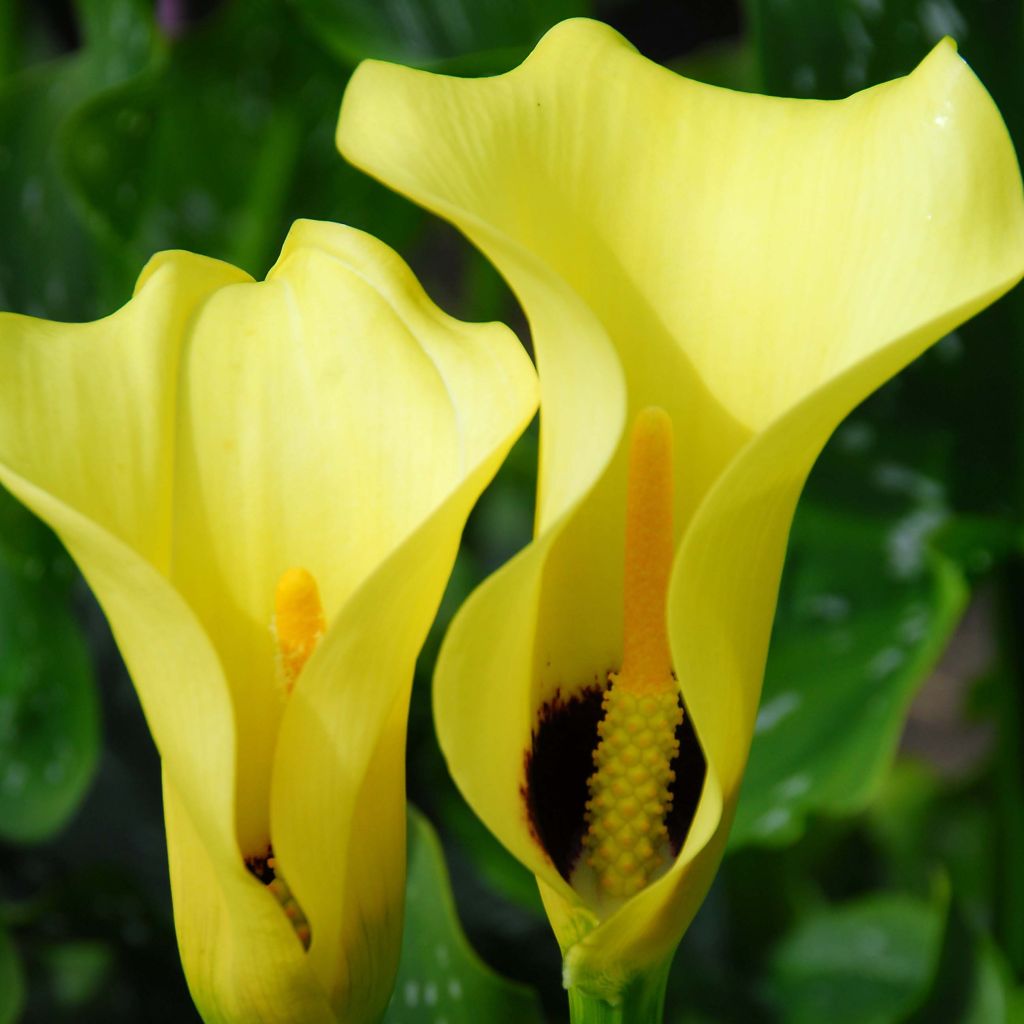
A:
739, 249
324, 413
755, 266
86, 442
188, 450
338, 786
242, 959
721, 606
87, 410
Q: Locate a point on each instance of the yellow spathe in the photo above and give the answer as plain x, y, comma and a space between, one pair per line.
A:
755, 266
192, 450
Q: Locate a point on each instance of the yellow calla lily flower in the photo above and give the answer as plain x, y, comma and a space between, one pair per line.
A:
265, 484
713, 281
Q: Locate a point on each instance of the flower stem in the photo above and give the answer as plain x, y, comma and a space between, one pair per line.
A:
640, 1002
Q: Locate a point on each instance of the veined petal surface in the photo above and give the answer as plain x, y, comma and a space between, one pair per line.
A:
756, 266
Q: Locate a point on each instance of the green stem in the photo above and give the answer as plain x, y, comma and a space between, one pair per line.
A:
640, 1002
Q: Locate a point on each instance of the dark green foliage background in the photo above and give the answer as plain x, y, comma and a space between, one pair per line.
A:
864, 885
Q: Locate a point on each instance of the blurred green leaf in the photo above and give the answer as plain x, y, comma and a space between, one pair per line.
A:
12, 985
494, 864
868, 962
49, 714
978, 543
1015, 1006
972, 983
440, 976
227, 138
423, 32
733, 64
77, 971
1005, 693
923, 824
97, 941
9, 48
830, 48
865, 609
48, 264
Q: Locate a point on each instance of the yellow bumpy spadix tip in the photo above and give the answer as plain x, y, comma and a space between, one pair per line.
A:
627, 842
298, 623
